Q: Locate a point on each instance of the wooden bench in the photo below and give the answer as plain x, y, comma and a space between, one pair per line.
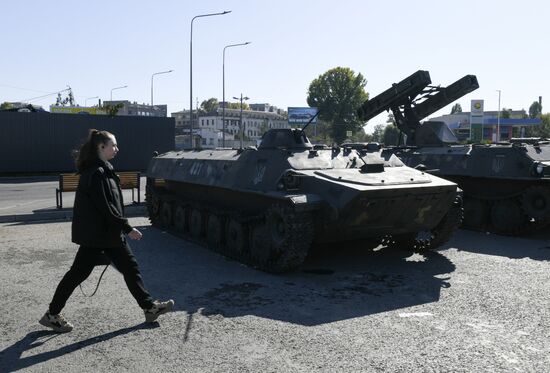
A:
131, 180
69, 183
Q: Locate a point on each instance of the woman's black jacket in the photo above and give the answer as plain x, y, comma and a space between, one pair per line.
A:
98, 213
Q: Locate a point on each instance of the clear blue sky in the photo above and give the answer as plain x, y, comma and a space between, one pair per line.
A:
94, 46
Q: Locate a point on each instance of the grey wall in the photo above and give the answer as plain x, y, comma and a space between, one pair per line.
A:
42, 142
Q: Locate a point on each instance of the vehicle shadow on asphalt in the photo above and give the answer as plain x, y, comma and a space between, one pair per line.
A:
337, 282
12, 361
535, 246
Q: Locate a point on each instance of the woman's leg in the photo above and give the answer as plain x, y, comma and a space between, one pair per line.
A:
123, 259
80, 270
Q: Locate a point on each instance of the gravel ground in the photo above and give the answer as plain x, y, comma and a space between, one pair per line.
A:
480, 304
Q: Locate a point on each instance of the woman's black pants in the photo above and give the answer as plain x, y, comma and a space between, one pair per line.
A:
86, 258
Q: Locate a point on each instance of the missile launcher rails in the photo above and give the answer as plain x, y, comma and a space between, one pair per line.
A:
506, 185
267, 206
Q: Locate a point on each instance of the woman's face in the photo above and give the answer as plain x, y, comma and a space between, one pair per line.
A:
109, 150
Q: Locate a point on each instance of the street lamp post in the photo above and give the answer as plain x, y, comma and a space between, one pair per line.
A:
191, 70
162, 72
124, 86
223, 83
241, 124
498, 117
89, 98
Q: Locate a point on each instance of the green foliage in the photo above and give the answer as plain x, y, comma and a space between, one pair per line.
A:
505, 113
456, 108
112, 110
535, 110
323, 131
237, 105
391, 119
68, 100
337, 94
361, 136
543, 130
5, 105
391, 135
378, 133
209, 105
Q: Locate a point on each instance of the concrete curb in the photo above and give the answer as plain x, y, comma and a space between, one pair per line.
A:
130, 211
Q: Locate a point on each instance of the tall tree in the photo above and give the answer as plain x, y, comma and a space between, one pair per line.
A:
391, 119
337, 94
209, 105
543, 130
535, 110
378, 133
456, 108
68, 100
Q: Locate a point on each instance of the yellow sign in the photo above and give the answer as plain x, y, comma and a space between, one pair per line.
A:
477, 107
77, 110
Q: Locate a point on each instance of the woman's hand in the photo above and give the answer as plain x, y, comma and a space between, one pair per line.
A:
135, 234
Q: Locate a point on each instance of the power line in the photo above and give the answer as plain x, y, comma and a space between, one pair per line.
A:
49, 94
24, 89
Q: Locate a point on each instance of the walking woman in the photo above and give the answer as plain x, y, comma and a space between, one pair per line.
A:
99, 227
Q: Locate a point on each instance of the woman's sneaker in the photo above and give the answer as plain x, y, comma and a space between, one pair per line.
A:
158, 309
56, 322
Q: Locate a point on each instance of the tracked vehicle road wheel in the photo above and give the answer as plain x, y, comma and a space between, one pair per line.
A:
180, 218
196, 223
278, 228
166, 214
507, 217
281, 242
535, 201
476, 213
155, 204
429, 239
261, 247
214, 231
236, 236
152, 203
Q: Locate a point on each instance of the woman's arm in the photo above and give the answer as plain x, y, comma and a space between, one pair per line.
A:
100, 200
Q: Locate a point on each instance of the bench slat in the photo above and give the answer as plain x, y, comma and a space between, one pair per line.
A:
128, 180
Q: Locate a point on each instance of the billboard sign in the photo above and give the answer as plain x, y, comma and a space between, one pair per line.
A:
301, 115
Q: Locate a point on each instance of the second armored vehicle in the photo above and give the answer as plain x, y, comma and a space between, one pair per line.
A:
266, 206
506, 185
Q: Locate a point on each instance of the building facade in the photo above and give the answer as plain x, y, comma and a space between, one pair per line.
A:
514, 126
208, 127
133, 108
127, 109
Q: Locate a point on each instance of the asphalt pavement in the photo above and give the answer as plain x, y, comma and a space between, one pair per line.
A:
479, 304
32, 198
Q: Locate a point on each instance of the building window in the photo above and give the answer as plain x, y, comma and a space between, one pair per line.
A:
203, 141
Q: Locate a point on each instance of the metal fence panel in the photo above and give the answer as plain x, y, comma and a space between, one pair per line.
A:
42, 142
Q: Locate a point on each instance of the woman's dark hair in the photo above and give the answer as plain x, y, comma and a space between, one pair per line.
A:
88, 152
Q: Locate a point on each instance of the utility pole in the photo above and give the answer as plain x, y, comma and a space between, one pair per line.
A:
241, 125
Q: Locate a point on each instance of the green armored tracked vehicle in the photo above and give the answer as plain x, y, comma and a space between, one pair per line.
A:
266, 206
506, 185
